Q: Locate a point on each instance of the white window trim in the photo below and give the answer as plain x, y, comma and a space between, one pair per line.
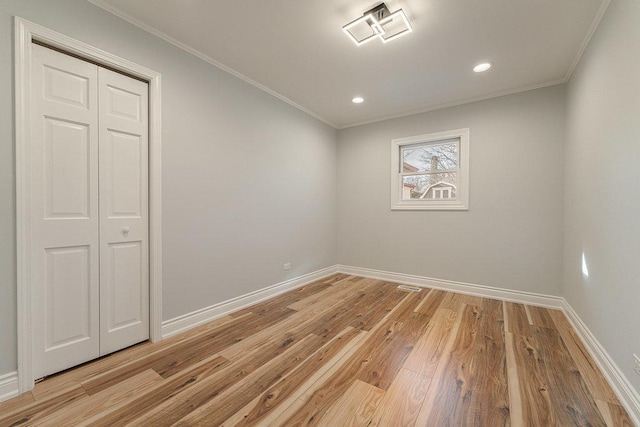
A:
462, 191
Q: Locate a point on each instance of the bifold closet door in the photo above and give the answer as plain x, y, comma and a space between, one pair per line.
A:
124, 235
64, 210
89, 257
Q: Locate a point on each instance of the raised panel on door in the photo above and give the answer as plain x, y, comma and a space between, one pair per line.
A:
67, 297
67, 168
124, 241
125, 196
126, 300
64, 211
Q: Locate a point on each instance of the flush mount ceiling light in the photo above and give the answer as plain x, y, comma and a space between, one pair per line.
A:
378, 23
358, 100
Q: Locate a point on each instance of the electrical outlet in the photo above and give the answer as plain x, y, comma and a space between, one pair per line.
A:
287, 266
636, 365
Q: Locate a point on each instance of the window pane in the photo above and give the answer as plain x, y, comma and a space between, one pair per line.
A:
431, 186
429, 157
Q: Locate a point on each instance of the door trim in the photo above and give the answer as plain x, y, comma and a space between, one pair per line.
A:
26, 33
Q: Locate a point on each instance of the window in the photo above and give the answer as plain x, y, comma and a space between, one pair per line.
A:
442, 193
431, 172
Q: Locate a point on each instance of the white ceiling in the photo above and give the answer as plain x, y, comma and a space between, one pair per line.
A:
297, 51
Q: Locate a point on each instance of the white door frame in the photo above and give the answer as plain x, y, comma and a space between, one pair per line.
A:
25, 33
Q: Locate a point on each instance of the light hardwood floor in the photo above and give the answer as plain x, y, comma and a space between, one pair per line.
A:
342, 351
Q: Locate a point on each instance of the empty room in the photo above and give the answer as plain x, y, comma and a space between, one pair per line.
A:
334, 213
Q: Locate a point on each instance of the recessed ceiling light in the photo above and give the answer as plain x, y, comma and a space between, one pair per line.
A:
482, 67
358, 100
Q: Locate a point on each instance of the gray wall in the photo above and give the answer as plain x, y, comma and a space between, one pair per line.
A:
249, 182
511, 237
602, 180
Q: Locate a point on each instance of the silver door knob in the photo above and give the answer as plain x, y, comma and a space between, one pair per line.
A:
125, 231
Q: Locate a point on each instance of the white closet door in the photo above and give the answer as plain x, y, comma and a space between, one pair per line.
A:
64, 211
124, 234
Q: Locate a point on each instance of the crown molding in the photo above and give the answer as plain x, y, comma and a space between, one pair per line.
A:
592, 29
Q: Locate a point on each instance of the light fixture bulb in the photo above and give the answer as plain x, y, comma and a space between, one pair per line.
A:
482, 67
358, 100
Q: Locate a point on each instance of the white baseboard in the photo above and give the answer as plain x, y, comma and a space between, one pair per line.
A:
459, 287
8, 386
198, 317
628, 396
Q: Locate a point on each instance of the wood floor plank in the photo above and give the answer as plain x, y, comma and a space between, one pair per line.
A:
529, 394
516, 319
127, 411
16, 403
393, 344
614, 415
426, 354
213, 341
370, 362
337, 292
284, 300
401, 403
336, 278
221, 407
302, 322
256, 411
40, 409
388, 298
92, 405
431, 302
469, 386
488, 403
327, 323
172, 410
72, 378
552, 390
598, 385
516, 407
454, 301
300, 413
539, 316
360, 307
296, 405
342, 350
187, 355
570, 396
355, 407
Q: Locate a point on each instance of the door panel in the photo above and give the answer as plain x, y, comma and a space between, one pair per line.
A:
68, 309
65, 87
67, 169
126, 299
64, 211
124, 241
124, 104
126, 156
